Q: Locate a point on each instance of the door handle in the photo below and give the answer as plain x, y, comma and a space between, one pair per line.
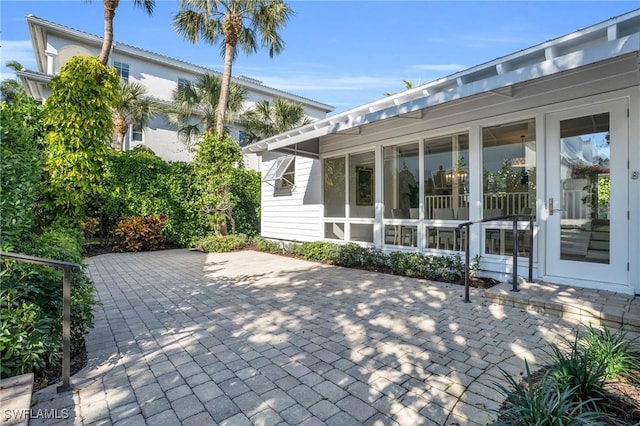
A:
551, 209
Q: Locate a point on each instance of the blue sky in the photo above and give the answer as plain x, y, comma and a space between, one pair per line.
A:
344, 53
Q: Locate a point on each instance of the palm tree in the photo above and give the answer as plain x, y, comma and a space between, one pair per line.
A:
110, 7
11, 89
407, 85
200, 102
267, 119
132, 108
236, 23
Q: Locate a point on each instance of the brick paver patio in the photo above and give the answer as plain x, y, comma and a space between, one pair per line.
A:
241, 338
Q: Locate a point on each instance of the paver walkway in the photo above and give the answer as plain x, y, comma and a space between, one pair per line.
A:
241, 338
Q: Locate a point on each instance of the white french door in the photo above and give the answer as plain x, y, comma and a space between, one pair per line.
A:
587, 195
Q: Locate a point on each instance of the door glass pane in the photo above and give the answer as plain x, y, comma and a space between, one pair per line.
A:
585, 189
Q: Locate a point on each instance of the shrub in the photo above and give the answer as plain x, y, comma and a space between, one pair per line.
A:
618, 355
375, 258
20, 180
349, 255
245, 196
79, 134
141, 233
318, 251
544, 403
26, 340
438, 268
139, 183
223, 243
31, 303
262, 244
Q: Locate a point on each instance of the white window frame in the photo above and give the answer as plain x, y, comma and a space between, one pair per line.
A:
121, 67
137, 130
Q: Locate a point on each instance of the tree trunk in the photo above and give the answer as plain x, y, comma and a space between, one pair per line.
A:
109, 13
121, 130
221, 112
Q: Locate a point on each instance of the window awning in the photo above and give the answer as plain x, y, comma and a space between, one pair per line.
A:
278, 169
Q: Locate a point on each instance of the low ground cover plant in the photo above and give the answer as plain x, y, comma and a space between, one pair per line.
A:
448, 268
572, 389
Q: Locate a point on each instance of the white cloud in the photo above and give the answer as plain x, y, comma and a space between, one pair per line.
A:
17, 50
440, 67
310, 82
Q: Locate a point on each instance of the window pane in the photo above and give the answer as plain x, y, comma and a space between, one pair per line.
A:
334, 181
334, 231
509, 169
136, 132
362, 185
362, 232
446, 174
400, 235
122, 69
500, 242
401, 182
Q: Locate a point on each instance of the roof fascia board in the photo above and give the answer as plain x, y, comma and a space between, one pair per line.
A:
367, 114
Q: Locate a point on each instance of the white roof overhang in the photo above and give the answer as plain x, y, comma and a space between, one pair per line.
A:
615, 37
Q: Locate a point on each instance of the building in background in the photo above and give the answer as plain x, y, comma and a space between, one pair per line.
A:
55, 44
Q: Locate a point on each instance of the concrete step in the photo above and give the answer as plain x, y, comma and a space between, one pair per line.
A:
15, 399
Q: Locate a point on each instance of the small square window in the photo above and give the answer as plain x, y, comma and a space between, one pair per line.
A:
137, 132
282, 174
123, 70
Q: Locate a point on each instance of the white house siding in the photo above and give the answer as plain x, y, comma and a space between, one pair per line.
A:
296, 216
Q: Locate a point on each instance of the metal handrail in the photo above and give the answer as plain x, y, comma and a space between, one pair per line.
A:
515, 218
68, 268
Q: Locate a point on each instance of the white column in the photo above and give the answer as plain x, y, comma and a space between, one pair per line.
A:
51, 62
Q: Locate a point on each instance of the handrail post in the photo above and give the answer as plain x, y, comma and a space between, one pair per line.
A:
515, 254
466, 264
66, 331
68, 268
530, 249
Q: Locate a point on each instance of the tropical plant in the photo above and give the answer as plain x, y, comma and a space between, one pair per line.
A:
573, 369
79, 121
544, 404
267, 119
407, 85
11, 89
201, 101
110, 7
20, 180
619, 355
215, 164
235, 23
132, 108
